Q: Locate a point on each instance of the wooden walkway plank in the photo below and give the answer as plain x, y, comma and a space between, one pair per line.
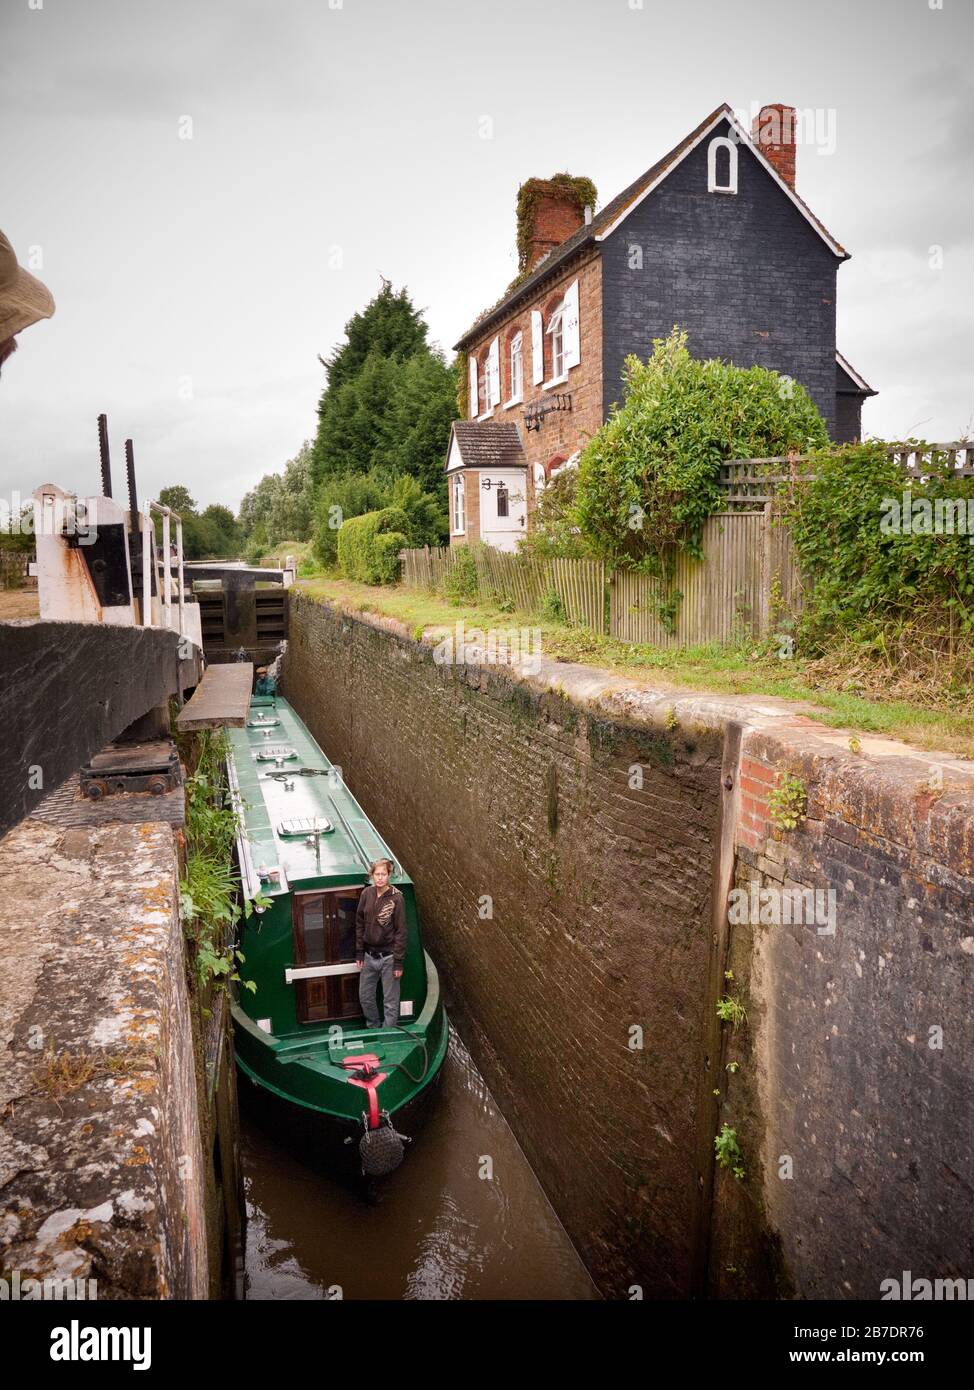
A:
222, 698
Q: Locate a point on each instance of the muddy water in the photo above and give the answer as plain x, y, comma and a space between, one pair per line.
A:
439, 1230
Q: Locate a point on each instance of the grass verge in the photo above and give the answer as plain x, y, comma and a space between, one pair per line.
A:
832, 697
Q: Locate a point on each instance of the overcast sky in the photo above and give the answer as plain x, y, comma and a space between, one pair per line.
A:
197, 279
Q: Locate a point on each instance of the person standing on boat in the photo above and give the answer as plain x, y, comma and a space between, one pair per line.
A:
380, 944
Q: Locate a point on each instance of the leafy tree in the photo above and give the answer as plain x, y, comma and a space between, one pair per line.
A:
388, 325
389, 398
554, 532
178, 499
217, 531
293, 509
648, 479
423, 407
339, 499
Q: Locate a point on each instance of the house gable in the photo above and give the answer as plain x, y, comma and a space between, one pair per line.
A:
749, 276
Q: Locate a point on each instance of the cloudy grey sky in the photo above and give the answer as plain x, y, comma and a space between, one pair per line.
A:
197, 279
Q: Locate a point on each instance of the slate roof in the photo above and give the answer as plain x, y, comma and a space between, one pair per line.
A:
488, 444
611, 213
853, 383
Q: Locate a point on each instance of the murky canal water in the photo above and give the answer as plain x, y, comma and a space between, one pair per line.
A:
440, 1231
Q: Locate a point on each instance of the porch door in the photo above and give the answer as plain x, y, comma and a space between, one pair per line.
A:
323, 924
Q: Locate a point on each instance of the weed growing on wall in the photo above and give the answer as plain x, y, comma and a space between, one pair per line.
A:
210, 891
787, 802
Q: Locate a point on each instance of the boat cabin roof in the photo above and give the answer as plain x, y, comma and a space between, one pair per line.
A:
283, 786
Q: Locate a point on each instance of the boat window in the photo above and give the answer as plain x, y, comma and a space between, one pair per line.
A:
323, 925
313, 926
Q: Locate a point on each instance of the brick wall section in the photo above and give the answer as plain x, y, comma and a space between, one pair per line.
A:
561, 432
555, 220
601, 915
471, 509
837, 1071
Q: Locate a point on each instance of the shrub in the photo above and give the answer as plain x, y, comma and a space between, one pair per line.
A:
339, 499
904, 595
369, 546
552, 608
460, 584
555, 532
648, 479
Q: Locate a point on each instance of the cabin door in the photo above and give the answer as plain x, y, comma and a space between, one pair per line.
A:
324, 935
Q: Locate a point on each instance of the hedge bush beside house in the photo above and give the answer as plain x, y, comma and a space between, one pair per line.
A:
369, 546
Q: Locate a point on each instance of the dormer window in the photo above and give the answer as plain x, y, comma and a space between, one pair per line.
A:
722, 165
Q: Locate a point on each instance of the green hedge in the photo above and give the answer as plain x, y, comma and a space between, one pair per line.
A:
369, 545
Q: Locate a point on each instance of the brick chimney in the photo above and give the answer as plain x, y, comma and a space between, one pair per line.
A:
552, 215
773, 131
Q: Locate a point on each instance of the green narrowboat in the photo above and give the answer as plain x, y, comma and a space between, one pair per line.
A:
305, 848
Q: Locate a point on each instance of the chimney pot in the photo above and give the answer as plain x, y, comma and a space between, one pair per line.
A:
773, 131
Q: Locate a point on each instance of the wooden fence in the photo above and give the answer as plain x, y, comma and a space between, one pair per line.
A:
747, 580
748, 484
523, 581
747, 559
747, 562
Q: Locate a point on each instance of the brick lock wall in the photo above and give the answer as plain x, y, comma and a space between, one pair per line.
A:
839, 1085
601, 917
601, 920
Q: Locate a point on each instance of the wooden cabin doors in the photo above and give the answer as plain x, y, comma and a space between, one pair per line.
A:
323, 924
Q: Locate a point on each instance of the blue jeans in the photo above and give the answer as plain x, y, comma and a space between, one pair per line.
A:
372, 971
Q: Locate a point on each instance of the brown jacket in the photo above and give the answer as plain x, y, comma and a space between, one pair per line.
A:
380, 923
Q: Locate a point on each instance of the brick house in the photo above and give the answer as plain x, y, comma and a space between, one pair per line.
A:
714, 238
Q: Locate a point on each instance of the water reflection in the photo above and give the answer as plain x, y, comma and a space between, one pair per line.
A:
440, 1229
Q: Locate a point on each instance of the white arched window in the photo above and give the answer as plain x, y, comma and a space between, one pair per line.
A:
721, 165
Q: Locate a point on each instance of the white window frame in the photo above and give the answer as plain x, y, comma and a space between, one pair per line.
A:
459, 510
537, 347
473, 387
571, 327
516, 355
493, 373
720, 142
556, 330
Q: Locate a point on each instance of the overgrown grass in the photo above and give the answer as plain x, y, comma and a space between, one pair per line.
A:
832, 695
